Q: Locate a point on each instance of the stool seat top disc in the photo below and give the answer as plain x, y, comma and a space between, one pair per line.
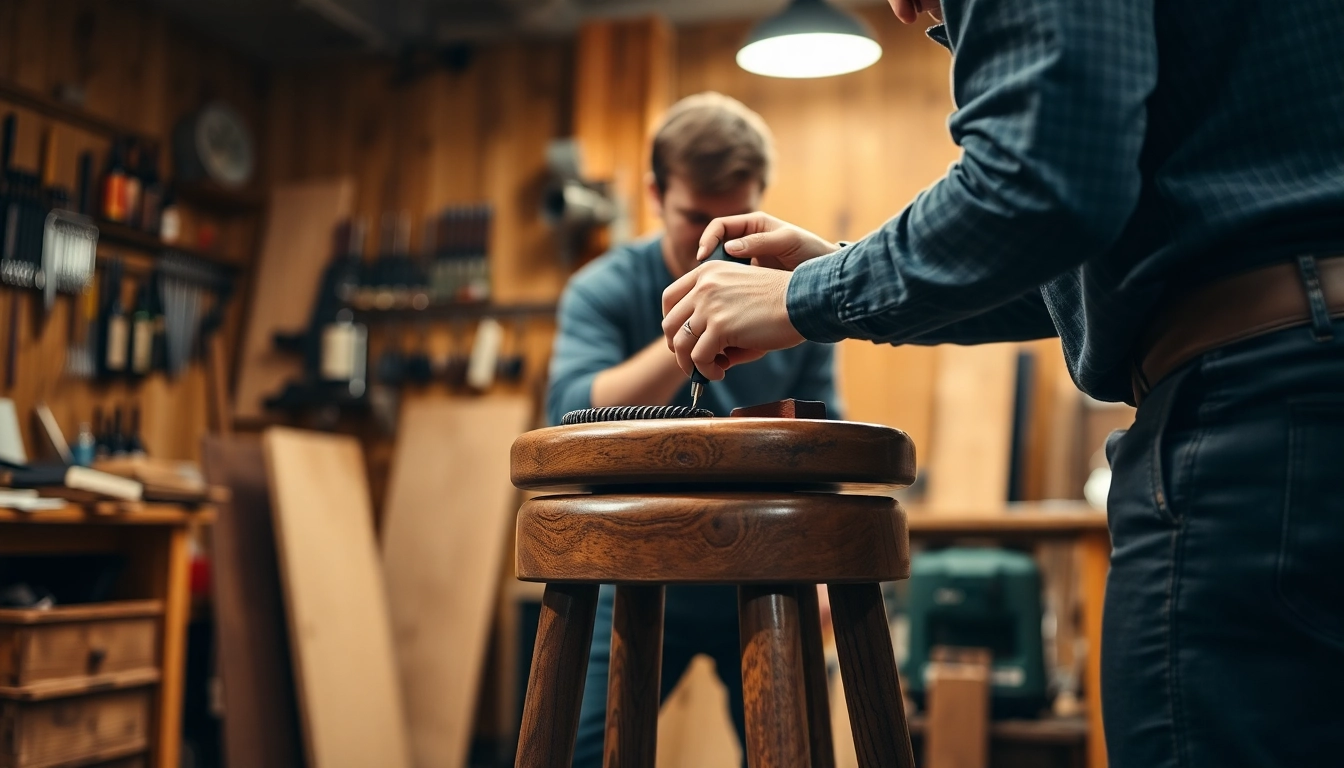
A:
721, 453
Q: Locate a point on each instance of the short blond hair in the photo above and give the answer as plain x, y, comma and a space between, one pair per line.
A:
714, 142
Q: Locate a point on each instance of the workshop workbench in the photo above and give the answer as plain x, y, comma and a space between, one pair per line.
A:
155, 540
1075, 522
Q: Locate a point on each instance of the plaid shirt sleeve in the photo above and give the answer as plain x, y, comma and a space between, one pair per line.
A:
1050, 118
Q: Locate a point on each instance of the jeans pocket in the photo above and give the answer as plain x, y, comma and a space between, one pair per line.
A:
1309, 582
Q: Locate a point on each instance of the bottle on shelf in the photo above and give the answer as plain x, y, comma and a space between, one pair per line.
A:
113, 185
135, 447
100, 447
345, 353
142, 333
85, 449
152, 190
114, 326
116, 442
170, 218
134, 185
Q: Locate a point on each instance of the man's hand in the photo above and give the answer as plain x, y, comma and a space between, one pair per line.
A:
767, 241
721, 314
909, 10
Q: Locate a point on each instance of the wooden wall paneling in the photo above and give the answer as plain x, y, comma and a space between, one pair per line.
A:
622, 87
139, 70
449, 508
889, 385
525, 81
967, 468
295, 251
340, 635
261, 720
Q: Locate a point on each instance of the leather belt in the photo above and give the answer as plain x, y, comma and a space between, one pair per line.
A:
1306, 291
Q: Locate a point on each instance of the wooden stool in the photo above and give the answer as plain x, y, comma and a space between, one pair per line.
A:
752, 502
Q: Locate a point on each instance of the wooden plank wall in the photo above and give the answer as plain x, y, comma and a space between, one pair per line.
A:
443, 137
144, 72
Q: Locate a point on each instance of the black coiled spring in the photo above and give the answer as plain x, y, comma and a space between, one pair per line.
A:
629, 412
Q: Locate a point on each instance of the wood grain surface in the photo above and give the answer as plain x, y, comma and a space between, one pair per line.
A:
868, 668
727, 538
445, 542
257, 677
339, 632
814, 677
555, 685
633, 677
786, 453
773, 692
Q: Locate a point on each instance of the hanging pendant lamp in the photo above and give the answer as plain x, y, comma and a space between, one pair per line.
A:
810, 38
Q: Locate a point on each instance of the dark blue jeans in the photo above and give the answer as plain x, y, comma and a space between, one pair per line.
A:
695, 620
1223, 640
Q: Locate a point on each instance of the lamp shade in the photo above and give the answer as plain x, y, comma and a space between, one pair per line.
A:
810, 38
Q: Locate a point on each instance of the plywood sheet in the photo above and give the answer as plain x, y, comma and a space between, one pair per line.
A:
261, 715
445, 533
294, 251
972, 428
340, 637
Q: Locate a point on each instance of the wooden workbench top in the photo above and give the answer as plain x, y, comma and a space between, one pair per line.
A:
1014, 519
114, 513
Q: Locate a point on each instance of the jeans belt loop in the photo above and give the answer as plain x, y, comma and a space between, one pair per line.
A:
1321, 326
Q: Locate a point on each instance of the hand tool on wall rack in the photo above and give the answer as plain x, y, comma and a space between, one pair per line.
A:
69, 240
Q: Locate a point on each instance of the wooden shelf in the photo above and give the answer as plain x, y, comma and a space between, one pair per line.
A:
66, 113
122, 236
1066, 731
113, 513
1067, 519
459, 311
204, 195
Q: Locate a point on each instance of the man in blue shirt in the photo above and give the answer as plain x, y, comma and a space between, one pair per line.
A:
1161, 185
711, 157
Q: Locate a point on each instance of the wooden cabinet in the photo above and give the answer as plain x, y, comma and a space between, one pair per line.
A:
99, 685
75, 730
42, 649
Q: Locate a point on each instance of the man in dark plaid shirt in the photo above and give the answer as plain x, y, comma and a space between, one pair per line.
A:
1121, 158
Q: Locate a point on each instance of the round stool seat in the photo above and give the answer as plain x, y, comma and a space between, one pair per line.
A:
707, 538
799, 454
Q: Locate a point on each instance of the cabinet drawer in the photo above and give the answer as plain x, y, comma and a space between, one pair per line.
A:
78, 641
75, 731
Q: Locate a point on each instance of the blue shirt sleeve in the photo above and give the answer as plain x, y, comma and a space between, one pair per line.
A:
1051, 120
588, 340
1024, 318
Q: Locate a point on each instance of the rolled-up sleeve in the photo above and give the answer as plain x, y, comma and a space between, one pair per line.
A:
1051, 120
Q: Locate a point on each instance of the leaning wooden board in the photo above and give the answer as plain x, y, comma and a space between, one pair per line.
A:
261, 716
445, 531
972, 428
297, 247
340, 637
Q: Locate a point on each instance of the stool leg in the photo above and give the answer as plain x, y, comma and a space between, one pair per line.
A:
555, 685
773, 692
868, 668
633, 678
814, 677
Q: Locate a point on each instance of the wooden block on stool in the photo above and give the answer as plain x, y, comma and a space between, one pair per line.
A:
958, 723
785, 409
